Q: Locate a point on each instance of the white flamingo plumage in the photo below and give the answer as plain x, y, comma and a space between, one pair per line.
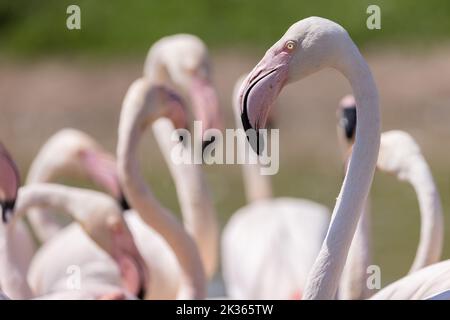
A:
400, 156
144, 103
308, 46
97, 213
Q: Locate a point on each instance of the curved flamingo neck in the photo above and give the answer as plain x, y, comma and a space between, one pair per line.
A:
42, 169
353, 284
199, 214
152, 212
13, 275
431, 227
324, 277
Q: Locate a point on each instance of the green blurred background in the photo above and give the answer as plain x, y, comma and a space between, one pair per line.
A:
125, 27
51, 78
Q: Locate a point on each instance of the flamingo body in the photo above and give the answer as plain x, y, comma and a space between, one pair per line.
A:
273, 244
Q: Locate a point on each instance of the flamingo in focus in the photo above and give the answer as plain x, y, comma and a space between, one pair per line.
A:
97, 213
308, 46
269, 246
399, 155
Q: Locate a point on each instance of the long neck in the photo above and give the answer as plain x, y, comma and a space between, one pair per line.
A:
158, 217
257, 186
353, 284
199, 214
324, 277
431, 228
13, 275
42, 222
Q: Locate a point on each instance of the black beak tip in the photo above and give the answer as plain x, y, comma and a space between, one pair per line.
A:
256, 140
123, 203
348, 122
7, 209
141, 293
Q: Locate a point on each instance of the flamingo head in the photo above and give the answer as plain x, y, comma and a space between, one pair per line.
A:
398, 154
307, 47
70, 152
183, 60
9, 184
107, 227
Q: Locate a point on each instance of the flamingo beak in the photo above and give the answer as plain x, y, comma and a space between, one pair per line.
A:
206, 106
123, 202
348, 123
132, 266
9, 184
7, 210
176, 110
101, 168
347, 117
258, 93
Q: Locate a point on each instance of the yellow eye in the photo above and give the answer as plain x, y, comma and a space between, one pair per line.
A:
290, 45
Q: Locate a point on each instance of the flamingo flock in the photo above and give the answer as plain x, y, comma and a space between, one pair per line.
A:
122, 243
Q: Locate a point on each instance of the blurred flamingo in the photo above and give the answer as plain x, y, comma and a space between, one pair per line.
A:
399, 155
97, 214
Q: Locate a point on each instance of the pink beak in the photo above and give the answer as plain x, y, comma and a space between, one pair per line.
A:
102, 170
132, 266
205, 104
10, 180
258, 93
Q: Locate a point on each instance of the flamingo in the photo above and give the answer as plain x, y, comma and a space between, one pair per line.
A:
399, 155
22, 236
269, 245
79, 155
199, 215
144, 103
426, 280
100, 218
431, 282
97, 213
308, 46
181, 63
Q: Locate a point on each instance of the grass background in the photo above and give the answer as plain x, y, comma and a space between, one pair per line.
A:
112, 28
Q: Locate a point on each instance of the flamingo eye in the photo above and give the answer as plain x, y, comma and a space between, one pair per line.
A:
290, 45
